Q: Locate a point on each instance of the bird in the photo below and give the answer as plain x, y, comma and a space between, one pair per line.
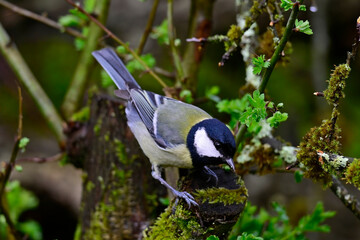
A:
171, 133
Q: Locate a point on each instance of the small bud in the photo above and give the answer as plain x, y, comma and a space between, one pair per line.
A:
319, 94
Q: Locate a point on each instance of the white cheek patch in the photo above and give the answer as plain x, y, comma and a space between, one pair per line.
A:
204, 145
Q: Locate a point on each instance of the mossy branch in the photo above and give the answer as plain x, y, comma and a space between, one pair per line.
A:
26, 77
77, 86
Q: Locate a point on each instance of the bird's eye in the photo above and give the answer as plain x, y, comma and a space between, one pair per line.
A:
216, 143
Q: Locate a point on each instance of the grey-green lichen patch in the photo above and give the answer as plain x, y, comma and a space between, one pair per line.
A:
288, 154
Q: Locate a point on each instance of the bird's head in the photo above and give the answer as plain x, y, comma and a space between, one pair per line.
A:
210, 142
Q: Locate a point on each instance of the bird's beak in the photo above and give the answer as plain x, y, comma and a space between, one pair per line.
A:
230, 163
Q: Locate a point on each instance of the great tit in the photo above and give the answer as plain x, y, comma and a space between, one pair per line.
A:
170, 132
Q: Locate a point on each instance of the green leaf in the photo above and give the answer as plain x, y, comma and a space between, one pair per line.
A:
259, 63
212, 93
186, 95
164, 201
212, 237
19, 199
106, 80
18, 168
298, 176
311, 223
277, 118
246, 236
303, 26
287, 5
135, 65
23, 142
255, 112
161, 34
121, 49
79, 43
280, 210
302, 8
31, 228
69, 21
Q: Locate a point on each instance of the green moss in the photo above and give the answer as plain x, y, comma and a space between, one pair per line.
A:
97, 127
324, 138
100, 224
181, 224
82, 115
335, 90
89, 186
107, 137
352, 173
234, 34
120, 151
222, 195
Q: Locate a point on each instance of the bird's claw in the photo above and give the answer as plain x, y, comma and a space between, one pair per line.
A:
210, 172
189, 199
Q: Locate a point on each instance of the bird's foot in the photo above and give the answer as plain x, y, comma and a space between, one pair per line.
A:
210, 172
189, 199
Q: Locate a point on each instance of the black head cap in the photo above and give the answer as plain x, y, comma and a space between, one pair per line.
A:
210, 142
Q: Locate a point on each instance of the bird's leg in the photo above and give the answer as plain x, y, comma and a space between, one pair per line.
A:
185, 195
210, 172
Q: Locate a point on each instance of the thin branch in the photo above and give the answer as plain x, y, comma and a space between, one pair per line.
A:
345, 197
54, 158
148, 27
275, 57
174, 50
8, 220
8, 169
15, 150
116, 39
40, 18
77, 86
26, 77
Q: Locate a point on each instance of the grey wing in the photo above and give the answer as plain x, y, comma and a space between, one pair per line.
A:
167, 120
146, 104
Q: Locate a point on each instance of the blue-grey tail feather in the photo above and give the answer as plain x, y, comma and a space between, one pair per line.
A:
112, 64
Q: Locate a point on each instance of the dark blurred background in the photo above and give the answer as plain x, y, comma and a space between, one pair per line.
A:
52, 57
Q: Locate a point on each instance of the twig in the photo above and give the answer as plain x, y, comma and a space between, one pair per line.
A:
42, 19
174, 51
275, 57
42, 159
8, 169
345, 197
116, 39
226, 55
15, 150
78, 82
352, 54
26, 77
148, 27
